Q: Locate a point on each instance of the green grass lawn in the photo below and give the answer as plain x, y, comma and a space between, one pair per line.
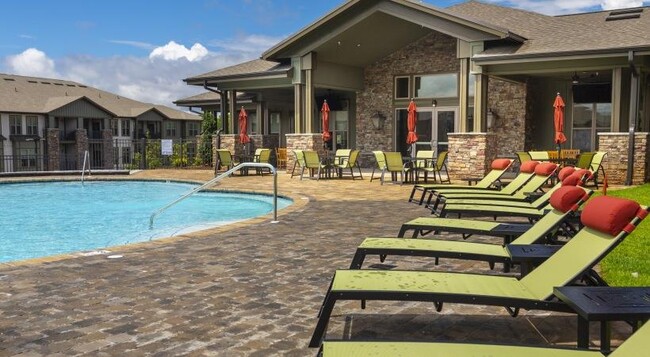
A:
629, 263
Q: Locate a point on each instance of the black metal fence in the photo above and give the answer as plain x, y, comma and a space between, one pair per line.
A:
124, 154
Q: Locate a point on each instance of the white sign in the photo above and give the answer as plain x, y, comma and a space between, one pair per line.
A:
166, 148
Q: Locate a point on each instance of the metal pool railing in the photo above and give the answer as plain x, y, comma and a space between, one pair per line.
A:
221, 177
83, 168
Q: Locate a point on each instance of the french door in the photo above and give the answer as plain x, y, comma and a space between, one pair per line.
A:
433, 126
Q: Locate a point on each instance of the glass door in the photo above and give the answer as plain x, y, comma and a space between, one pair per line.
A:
446, 121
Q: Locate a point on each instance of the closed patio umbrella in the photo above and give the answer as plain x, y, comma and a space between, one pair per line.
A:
412, 137
243, 125
325, 114
558, 121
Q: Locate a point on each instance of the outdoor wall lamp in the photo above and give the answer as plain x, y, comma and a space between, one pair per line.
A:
491, 117
377, 120
434, 103
575, 79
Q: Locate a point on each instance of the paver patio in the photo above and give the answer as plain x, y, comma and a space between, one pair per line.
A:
250, 289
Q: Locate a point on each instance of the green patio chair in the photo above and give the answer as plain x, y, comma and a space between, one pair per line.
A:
498, 168
394, 165
380, 161
440, 164
584, 160
424, 164
347, 160
565, 201
298, 162
596, 166
632, 347
262, 156
225, 160
607, 221
314, 165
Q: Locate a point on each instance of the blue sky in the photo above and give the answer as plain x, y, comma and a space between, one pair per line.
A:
143, 49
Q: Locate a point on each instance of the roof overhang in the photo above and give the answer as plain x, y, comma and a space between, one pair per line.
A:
350, 18
282, 74
484, 60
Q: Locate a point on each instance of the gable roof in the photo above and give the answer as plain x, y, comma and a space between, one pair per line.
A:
257, 67
22, 94
558, 35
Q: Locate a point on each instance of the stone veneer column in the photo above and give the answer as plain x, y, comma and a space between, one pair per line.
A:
53, 143
81, 145
108, 152
308, 141
470, 154
615, 162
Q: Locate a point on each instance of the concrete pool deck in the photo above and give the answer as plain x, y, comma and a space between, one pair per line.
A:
249, 289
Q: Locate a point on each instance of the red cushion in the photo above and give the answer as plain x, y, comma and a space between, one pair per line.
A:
565, 198
545, 169
609, 214
501, 164
565, 172
529, 166
575, 179
583, 172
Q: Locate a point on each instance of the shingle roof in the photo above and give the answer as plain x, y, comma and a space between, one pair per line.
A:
257, 66
549, 35
212, 98
21, 94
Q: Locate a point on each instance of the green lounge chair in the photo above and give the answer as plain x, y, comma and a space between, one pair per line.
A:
298, 162
347, 160
539, 155
523, 156
607, 221
565, 201
526, 173
584, 160
632, 347
499, 167
596, 167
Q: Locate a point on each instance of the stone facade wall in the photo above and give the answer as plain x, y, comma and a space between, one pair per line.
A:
470, 154
615, 163
53, 142
434, 53
507, 101
312, 141
81, 145
108, 152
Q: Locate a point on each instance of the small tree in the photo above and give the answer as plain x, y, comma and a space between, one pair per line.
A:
209, 127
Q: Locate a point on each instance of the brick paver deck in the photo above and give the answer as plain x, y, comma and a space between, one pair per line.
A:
251, 289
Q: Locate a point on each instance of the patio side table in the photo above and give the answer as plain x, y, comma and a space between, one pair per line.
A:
605, 304
530, 255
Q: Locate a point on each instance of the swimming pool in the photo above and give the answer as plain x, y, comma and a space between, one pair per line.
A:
44, 219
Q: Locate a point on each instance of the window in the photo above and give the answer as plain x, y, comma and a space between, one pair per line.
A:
126, 127
15, 125
170, 129
32, 124
114, 127
252, 122
274, 123
402, 87
437, 86
588, 120
193, 129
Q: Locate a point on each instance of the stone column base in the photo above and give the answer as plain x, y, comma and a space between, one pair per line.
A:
470, 154
615, 162
53, 143
308, 141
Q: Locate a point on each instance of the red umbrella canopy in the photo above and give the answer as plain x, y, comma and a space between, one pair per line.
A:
411, 121
325, 114
243, 125
559, 120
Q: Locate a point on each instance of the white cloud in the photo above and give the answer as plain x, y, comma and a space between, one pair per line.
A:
253, 44
173, 51
141, 78
619, 4
137, 44
31, 62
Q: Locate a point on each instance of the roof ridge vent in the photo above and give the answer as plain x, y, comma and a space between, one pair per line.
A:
624, 14
9, 79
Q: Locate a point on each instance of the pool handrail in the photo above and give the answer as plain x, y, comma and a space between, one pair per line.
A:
83, 168
221, 177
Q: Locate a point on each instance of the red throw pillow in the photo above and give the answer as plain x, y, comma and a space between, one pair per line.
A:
609, 214
565, 198
501, 164
565, 172
545, 168
575, 179
583, 172
529, 166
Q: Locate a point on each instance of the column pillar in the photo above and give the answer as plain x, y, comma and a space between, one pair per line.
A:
53, 143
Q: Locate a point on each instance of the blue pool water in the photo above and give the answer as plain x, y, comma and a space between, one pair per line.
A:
43, 219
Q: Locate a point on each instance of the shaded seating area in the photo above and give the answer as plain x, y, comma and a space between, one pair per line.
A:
262, 156
345, 161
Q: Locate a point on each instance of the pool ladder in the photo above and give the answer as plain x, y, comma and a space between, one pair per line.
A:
221, 177
83, 168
